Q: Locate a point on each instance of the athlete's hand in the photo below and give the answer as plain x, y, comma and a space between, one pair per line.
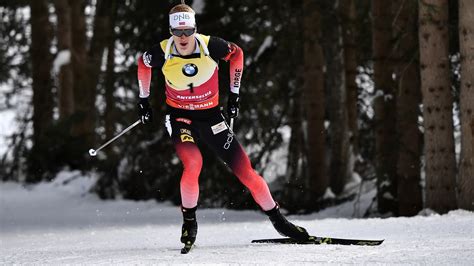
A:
233, 105
144, 111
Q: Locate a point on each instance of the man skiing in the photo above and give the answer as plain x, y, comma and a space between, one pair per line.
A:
189, 62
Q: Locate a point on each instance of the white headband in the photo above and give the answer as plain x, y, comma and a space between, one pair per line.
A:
182, 19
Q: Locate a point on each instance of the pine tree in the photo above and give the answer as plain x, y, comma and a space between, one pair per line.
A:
349, 30
408, 99
384, 107
65, 76
313, 101
41, 61
466, 164
440, 160
339, 171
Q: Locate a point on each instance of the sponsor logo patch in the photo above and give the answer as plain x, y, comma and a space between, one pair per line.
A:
190, 70
237, 76
184, 120
194, 97
186, 138
197, 106
185, 131
230, 138
218, 128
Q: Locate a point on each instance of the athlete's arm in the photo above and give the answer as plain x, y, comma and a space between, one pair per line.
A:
228, 51
236, 58
149, 59
144, 78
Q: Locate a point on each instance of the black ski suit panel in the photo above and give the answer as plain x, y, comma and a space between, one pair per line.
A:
223, 144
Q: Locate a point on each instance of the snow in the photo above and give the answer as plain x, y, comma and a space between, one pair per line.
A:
267, 42
6, 129
198, 6
62, 223
63, 58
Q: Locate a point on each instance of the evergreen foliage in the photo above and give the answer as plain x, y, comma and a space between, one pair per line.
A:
142, 164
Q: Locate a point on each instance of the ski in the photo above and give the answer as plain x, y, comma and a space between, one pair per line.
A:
186, 249
321, 240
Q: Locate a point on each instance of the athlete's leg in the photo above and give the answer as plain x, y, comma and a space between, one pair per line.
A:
222, 141
184, 138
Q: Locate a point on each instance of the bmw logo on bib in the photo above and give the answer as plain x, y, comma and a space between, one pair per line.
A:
190, 70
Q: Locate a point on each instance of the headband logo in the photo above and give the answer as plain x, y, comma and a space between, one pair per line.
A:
181, 16
182, 19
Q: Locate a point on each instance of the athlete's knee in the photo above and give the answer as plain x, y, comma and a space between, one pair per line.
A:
242, 167
191, 170
251, 179
192, 166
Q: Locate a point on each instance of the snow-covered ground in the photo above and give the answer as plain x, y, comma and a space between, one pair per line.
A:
61, 223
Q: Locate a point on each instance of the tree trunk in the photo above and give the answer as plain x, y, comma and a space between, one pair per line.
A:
410, 200
350, 62
106, 187
339, 131
84, 125
99, 42
437, 105
65, 77
296, 191
109, 84
87, 66
313, 100
41, 36
385, 108
466, 166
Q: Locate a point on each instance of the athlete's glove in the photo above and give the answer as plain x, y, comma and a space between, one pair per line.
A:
233, 105
144, 111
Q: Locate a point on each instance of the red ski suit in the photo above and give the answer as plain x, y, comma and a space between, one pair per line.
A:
192, 97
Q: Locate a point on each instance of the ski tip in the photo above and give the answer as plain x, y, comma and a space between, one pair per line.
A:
369, 242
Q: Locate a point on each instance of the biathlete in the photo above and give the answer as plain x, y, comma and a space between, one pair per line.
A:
189, 62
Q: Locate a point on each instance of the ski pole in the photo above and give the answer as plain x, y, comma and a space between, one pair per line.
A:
93, 152
231, 124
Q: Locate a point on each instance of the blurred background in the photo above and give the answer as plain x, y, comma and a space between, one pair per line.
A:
339, 98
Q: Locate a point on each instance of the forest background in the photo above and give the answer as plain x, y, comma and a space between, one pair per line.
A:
335, 95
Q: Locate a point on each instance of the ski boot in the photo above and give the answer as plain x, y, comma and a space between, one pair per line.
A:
189, 229
284, 227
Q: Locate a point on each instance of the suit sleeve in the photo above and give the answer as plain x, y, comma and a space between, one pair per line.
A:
232, 53
146, 61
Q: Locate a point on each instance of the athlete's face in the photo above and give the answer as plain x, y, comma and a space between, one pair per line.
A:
183, 38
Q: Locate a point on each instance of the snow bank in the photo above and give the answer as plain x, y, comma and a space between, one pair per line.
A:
61, 223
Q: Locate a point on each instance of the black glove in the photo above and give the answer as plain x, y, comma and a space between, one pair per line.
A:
233, 105
144, 111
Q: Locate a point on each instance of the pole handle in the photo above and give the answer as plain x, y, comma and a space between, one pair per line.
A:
231, 124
